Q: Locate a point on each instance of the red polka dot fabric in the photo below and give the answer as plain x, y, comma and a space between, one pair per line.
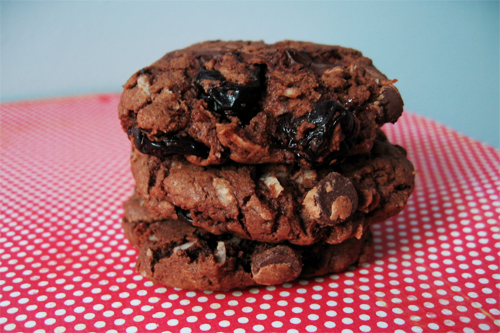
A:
67, 267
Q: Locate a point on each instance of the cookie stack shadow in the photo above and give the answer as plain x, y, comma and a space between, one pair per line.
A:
256, 164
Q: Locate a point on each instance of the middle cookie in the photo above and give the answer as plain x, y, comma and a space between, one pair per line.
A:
275, 202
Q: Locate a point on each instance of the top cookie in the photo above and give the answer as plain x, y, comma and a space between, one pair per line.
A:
251, 102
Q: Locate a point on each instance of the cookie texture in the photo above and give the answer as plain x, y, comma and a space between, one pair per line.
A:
254, 103
273, 203
180, 255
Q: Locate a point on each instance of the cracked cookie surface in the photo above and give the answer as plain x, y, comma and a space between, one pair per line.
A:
179, 255
253, 103
273, 203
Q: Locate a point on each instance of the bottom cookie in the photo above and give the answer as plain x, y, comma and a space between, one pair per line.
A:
179, 255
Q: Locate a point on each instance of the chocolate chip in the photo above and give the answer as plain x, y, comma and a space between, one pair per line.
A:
227, 99
275, 265
208, 75
170, 145
391, 105
314, 141
332, 201
302, 59
296, 57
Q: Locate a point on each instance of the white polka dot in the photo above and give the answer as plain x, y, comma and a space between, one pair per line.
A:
69, 319
433, 326
258, 328
191, 319
30, 324
151, 326
100, 324
80, 327
314, 306
205, 327
399, 321
108, 313
138, 318
277, 324
347, 321
329, 324
210, 315
172, 322
265, 306
119, 321
9, 327
311, 328
310, 317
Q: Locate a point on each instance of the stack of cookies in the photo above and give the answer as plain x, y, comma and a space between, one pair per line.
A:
257, 163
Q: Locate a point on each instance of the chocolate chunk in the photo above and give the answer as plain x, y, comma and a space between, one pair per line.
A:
275, 265
228, 99
333, 200
170, 145
391, 105
296, 57
302, 59
208, 75
314, 141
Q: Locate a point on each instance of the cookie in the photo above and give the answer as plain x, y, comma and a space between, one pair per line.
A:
273, 203
254, 103
180, 255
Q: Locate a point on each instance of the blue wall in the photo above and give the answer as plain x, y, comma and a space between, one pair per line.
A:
445, 54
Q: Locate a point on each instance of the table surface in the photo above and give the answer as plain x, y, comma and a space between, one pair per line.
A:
66, 265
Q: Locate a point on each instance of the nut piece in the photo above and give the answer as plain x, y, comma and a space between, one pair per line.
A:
143, 84
183, 247
220, 253
223, 188
275, 265
273, 184
332, 201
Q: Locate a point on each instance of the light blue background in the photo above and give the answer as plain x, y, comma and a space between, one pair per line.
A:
445, 54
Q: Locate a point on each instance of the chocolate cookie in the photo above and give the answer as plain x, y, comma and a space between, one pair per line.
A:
273, 203
177, 254
253, 103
